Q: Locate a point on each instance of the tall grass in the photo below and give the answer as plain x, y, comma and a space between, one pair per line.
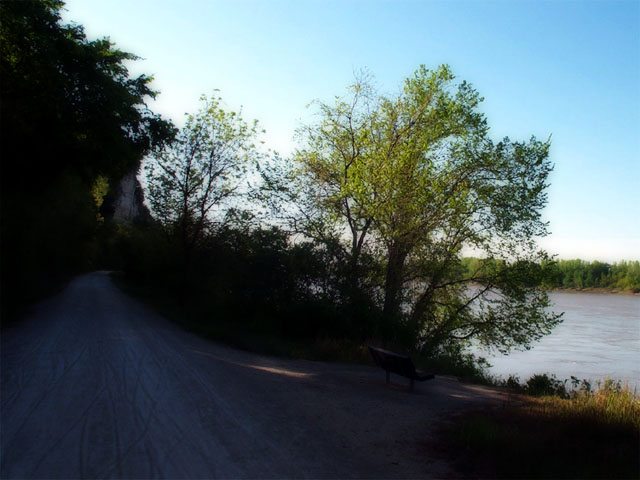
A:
611, 404
588, 433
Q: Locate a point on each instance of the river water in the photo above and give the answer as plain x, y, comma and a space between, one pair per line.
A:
599, 338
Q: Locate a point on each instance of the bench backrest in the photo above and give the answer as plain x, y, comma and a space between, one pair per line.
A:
393, 362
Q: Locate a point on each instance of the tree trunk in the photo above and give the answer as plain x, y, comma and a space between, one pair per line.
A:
417, 318
396, 256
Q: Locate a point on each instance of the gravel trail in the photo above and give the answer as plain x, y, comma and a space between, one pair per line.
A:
97, 385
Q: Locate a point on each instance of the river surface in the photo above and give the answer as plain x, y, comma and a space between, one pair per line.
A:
599, 338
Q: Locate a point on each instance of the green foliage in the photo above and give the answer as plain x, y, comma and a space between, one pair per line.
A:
193, 180
452, 359
395, 187
193, 177
541, 385
577, 274
72, 122
225, 273
37, 251
99, 191
67, 103
244, 282
624, 275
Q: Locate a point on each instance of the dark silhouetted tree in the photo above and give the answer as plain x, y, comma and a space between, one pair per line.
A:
70, 116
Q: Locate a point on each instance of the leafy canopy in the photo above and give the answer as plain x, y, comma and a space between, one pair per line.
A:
68, 103
192, 181
412, 181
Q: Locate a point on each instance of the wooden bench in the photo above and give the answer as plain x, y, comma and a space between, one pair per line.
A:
399, 364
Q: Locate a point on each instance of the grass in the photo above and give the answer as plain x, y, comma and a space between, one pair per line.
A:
222, 328
591, 434
217, 328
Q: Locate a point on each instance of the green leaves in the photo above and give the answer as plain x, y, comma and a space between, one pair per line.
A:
73, 122
413, 180
67, 102
192, 181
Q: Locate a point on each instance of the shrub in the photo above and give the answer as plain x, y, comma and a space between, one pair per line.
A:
543, 384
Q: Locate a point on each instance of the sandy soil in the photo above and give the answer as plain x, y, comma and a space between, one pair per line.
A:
95, 384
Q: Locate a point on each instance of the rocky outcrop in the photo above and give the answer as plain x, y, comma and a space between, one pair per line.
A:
128, 201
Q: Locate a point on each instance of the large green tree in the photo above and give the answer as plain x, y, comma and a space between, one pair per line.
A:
413, 181
71, 117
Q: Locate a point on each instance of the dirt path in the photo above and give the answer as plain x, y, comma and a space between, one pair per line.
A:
95, 384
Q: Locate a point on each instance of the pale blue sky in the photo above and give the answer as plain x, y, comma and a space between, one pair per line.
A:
567, 69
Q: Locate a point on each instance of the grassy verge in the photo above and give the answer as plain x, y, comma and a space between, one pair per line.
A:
225, 329
218, 328
591, 434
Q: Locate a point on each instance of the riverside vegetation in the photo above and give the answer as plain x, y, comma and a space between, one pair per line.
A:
356, 238
551, 432
578, 274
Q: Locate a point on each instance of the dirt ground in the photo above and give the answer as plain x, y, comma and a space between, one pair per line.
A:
95, 384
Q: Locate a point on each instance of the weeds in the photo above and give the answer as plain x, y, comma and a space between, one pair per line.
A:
580, 432
611, 404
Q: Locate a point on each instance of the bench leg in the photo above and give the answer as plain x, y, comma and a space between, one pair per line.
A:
411, 385
387, 376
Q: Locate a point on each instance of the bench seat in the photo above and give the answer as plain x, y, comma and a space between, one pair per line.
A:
399, 364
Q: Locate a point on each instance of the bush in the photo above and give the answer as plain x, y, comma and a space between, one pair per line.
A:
543, 384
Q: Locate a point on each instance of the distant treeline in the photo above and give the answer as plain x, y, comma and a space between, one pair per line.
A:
624, 275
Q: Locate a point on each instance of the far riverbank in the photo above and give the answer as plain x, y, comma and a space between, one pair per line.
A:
612, 291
